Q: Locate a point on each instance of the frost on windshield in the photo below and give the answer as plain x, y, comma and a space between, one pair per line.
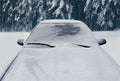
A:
67, 29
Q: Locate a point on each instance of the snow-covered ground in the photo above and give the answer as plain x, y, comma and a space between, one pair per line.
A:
9, 47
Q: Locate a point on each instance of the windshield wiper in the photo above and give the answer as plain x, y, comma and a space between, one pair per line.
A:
85, 46
41, 44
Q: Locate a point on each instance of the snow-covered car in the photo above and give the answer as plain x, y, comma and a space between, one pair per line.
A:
62, 50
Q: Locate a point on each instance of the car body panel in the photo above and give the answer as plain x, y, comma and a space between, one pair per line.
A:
74, 58
63, 64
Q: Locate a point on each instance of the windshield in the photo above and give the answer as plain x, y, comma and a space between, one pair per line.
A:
53, 33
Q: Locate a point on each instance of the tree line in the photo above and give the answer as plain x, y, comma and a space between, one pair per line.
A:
23, 15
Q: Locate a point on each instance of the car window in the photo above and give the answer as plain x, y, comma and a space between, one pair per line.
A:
66, 29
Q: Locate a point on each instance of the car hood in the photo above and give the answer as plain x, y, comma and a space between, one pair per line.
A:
63, 64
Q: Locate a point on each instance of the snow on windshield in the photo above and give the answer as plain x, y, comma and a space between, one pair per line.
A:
66, 29
61, 32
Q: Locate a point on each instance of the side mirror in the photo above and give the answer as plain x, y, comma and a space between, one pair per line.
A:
102, 41
20, 42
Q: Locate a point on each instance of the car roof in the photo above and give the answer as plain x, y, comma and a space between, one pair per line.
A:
60, 21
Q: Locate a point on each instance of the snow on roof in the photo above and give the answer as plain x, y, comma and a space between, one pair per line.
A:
61, 21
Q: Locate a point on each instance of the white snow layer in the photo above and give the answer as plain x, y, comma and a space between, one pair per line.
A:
60, 65
48, 66
77, 33
9, 48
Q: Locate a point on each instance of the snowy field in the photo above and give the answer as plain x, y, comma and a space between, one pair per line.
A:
9, 47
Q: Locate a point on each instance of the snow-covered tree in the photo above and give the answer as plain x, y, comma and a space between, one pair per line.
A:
15, 15
23, 15
102, 14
